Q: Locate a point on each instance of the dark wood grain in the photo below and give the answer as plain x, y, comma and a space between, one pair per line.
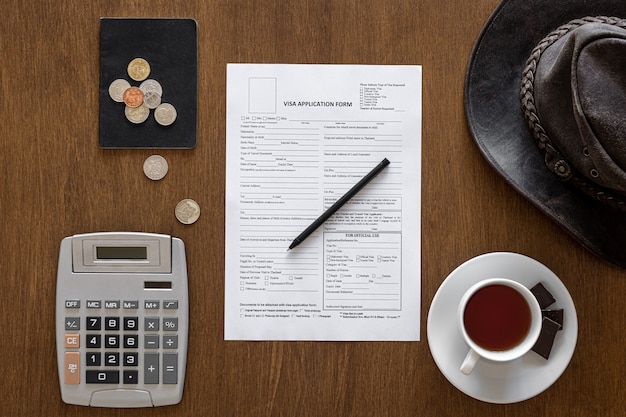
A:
56, 182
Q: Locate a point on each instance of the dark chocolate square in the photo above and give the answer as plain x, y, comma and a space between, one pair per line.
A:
171, 48
543, 296
546, 338
554, 315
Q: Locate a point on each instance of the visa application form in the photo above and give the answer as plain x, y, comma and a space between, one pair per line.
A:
299, 136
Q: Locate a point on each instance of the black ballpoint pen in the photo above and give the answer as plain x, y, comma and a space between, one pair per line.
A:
343, 200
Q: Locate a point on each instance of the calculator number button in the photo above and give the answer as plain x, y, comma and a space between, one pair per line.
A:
112, 341
130, 359
103, 377
93, 341
111, 323
94, 358
131, 341
94, 323
131, 323
111, 359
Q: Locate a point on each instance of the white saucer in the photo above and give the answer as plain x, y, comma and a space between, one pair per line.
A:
513, 381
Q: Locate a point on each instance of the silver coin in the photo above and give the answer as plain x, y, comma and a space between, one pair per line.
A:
187, 211
155, 167
117, 88
152, 99
165, 114
151, 86
137, 114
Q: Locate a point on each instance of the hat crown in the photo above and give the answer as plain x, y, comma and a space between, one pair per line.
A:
577, 101
497, 64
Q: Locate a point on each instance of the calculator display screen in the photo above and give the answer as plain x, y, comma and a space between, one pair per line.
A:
122, 252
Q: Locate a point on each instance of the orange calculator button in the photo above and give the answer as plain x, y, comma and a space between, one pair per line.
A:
72, 368
72, 341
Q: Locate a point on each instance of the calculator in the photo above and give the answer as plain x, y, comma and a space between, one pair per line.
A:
121, 319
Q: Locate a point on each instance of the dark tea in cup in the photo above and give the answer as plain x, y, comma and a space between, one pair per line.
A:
497, 317
500, 320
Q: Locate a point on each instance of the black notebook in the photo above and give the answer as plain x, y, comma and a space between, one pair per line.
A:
170, 48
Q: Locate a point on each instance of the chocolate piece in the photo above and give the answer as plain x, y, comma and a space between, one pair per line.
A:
554, 315
545, 341
542, 295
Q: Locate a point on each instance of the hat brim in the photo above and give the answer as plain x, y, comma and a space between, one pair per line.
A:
495, 119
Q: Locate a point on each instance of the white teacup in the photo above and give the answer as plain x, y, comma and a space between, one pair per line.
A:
500, 320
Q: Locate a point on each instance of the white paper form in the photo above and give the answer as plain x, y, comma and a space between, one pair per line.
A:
297, 138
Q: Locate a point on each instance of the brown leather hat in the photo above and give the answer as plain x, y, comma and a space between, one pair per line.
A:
545, 98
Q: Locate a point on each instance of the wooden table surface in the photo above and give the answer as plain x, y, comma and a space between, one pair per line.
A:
57, 182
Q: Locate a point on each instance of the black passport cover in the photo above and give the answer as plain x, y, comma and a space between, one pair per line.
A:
171, 48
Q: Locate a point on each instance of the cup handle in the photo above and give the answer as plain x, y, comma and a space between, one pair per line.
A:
470, 362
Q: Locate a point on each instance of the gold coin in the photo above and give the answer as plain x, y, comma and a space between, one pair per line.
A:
138, 69
187, 211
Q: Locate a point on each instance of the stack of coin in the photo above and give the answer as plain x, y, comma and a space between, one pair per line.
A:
140, 100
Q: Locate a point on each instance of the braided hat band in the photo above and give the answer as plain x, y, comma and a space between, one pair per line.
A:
554, 160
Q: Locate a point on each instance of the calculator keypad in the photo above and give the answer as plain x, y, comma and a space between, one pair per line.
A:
124, 348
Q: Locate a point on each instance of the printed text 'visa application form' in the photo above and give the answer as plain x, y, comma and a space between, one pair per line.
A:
298, 137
